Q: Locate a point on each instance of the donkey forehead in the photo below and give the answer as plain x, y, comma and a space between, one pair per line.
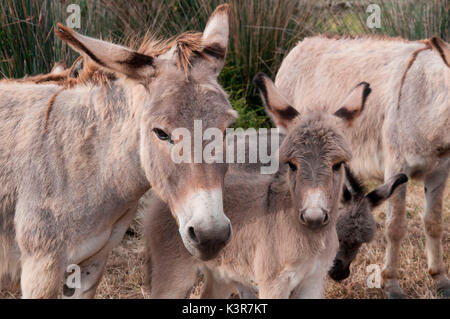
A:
316, 137
180, 102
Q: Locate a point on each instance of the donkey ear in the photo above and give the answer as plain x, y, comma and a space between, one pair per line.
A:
383, 192
216, 36
277, 107
442, 47
108, 55
353, 104
58, 68
77, 67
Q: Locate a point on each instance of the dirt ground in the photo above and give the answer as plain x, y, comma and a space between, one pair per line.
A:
124, 275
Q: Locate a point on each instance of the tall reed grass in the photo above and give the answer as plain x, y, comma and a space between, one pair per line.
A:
263, 31
410, 19
27, 41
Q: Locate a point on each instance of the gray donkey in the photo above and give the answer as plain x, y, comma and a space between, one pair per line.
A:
76, 160
406, 127
285, 238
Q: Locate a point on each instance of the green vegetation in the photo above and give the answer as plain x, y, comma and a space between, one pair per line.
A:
263, 31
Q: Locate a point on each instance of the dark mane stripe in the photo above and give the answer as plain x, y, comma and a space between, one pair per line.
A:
435, 43
408, 66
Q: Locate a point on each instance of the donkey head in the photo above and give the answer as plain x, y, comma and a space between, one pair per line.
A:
315, 150
167, 88
356, 224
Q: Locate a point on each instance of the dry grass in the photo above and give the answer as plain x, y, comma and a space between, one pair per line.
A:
124, 273
415, 281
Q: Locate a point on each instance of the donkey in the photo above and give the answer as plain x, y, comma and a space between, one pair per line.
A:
75, 161
355, 225
284, 224
405, 129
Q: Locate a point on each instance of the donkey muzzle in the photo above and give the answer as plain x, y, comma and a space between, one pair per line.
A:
209, 242
314, 218
204, 227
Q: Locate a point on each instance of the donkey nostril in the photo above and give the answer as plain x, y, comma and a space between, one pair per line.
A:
302, 218
229, 233
192, 235
325, 219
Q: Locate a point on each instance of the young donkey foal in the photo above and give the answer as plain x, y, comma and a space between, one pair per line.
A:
355, 225
406, 127
75, 161
284, 225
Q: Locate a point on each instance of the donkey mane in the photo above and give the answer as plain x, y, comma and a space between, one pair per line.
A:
186, 46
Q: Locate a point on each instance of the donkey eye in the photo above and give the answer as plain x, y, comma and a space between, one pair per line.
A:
337, 166
292, 166
162, 135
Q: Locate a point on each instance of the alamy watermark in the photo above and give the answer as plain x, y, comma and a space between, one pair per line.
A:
374, 19
242, 146
74, 19
73, 280
374, 278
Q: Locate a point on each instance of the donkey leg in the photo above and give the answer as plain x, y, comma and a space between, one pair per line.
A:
93, 267
42, 249
214, 289
432, 219
41, 276
276, 289
396, 226
91, 274
311, 288
171, 272
172, 282
245, 293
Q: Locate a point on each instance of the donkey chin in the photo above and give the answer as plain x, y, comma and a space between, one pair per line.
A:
203, 226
